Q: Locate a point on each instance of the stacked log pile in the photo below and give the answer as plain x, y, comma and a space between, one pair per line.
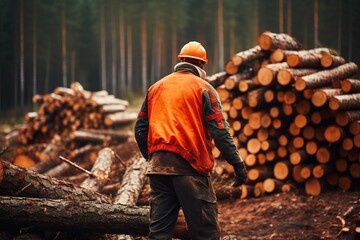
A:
67, 110
74, 121
294, 115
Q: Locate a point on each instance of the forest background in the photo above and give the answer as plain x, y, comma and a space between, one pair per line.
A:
124, 46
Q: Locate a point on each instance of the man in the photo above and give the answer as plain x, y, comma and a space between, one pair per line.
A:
179, 118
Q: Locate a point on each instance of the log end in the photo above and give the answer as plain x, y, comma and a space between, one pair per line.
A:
319, 98
281, 170
237, 60
265, 76
269, 185
326, 60
230, 68
284, 77
300, 84
293, 60
265, 41
313, 187
346, 86
333, 134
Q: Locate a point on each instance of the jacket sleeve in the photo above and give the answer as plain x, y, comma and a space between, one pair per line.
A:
142, 129
219, 127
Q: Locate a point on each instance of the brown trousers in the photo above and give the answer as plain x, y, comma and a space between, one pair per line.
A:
194, 194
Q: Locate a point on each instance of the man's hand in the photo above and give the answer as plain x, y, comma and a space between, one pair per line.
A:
240, 174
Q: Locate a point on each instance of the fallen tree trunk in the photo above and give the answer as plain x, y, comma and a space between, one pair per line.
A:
132, 183
101, 169
66, 215
22, 182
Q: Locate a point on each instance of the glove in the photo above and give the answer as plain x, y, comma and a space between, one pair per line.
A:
240, 174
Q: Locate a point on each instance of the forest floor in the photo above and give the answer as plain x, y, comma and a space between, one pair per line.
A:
291, 216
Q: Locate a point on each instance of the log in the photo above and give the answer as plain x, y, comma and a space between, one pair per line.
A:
132, 182
350, 85
333, 134
267, 74
314, 186
232, 81
101, 170
282, 170
325, 77
322, 96
345, 102
270, 41
242, 58
24, 182
258, 174
89, 137
346, 117
287, 76
279, 55
272, 185
328, 60
306, 58
217, 79
72, 216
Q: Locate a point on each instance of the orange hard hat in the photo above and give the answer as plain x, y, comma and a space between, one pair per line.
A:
193, 50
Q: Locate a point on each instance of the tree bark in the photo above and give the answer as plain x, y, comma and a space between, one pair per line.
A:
24, 182
101, 169
306, 58
132, 182
270, 41
325, 77
345, 102
72, 215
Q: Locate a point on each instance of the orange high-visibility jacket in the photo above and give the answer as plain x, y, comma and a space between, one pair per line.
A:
181, 114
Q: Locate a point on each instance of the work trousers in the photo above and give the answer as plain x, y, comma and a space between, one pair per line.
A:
194, 194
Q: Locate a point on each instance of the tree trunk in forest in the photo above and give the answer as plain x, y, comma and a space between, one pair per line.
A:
63, 45
22, 74
221, 34
316, 23
102, 45
34, 48
113, 31
122, 50
130, 80
143, 53
281, 16
289, 17
72, 215
22, 182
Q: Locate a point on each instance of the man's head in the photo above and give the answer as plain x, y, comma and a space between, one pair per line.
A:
193, 52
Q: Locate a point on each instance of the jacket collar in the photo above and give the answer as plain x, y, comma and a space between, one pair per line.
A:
188, 67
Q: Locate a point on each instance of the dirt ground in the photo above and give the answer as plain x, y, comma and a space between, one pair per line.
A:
291, 216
